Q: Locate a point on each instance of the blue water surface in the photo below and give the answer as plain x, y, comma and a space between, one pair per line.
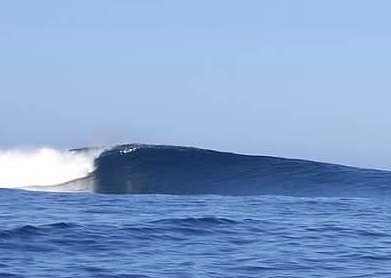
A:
93, 235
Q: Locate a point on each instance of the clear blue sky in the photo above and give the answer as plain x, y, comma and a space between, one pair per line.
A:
306, 79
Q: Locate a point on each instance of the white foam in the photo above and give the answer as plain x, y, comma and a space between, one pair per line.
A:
44, 167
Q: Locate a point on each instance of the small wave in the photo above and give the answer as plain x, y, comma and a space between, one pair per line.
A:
177, 228
191, 221
36, 230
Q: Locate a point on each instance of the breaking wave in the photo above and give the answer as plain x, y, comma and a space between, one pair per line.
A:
157, 169
45, 168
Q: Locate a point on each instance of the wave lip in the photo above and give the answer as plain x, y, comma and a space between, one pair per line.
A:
44, 168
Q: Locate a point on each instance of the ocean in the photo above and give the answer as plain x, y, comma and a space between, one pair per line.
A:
164, 211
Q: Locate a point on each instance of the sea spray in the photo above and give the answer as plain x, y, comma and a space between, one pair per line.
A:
20, 168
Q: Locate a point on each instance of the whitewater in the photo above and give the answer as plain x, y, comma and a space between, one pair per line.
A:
43, 168
138, 210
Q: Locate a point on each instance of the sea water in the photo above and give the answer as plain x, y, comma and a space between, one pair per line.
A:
92, 235
292, 232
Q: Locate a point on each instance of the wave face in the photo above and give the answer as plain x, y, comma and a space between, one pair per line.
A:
47, 169
154, 169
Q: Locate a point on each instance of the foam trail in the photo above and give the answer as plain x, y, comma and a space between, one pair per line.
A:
44, 167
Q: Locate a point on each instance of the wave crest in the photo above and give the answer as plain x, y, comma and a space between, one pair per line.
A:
159, 169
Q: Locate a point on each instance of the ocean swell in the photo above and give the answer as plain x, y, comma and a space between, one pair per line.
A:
157, 169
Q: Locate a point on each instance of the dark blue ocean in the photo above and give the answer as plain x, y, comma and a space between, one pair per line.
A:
158, 211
